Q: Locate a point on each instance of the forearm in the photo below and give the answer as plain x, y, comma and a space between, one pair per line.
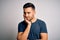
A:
44, 36
24, 35
43, 39
26, 32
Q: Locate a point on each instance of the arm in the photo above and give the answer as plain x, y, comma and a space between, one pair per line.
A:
44, 33
44, 36
24, 35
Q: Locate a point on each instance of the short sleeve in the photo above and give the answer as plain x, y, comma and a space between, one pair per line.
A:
20, 27
43, 27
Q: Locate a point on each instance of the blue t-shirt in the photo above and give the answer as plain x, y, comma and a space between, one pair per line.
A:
36, 28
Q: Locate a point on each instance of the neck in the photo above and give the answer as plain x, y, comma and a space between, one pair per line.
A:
33, 20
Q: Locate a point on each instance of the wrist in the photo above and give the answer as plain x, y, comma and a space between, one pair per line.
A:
29, 24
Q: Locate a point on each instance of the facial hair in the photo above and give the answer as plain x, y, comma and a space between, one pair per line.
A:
31, 19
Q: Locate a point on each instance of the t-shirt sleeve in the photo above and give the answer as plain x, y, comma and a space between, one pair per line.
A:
20, 27
43, 27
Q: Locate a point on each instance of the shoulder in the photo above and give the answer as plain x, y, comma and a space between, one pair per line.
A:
41, 22
20, 23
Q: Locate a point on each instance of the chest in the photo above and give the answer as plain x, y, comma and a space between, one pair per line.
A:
35, 28
34, 31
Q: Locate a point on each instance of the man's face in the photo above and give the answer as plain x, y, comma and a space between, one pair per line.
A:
29, 13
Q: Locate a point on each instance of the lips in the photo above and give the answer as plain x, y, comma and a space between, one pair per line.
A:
27, 18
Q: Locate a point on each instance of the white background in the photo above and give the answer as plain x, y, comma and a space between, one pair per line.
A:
11, 13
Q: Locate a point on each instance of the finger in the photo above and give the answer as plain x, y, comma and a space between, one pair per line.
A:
25, 19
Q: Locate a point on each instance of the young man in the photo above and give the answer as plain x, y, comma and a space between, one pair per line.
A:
31, 28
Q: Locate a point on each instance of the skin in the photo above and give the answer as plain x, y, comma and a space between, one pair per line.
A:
29, 17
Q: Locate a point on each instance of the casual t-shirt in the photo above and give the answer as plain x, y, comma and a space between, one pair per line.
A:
36, 28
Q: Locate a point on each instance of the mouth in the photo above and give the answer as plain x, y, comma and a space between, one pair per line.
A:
28, 18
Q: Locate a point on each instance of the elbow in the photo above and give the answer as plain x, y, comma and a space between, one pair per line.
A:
18, 38
21, 38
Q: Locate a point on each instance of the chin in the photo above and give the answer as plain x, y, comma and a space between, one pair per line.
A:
29, 19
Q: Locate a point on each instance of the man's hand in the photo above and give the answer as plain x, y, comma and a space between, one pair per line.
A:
27, 21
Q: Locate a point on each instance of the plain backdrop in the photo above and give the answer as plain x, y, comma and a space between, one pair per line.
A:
11, 13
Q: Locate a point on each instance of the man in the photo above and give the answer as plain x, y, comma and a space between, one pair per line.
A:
31, 28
